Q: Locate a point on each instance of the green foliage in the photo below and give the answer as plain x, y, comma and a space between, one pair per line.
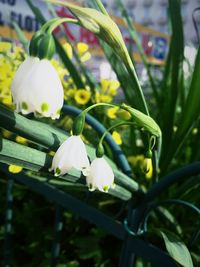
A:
168, 110
177, 249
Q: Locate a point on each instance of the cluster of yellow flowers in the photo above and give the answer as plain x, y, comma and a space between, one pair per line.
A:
10, 59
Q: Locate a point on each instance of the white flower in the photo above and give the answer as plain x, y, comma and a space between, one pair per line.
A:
37, 88
101, 175
71, 154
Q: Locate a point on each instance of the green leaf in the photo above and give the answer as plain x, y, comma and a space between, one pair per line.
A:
171, 81
101, 25
135, 36
177, 249
107, 30
21, 36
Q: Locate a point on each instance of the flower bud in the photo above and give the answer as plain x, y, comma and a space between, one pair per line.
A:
34, 43
78, 124
46, 47
99, 150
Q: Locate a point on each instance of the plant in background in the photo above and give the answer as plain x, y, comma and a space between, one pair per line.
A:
144, 130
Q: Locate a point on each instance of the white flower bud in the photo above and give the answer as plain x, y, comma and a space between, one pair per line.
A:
37, 88
71, 154
101, 175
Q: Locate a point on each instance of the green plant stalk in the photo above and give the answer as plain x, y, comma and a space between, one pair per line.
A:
171, 87
190, 114
21, 36
90, 79
113, 127
105, 28
133, 34
129, 65
55, 24
101, 7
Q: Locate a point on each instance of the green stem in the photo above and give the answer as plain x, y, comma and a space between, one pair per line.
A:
60, 21
48, 24
134, 36
97, 105
101, 7
115, 126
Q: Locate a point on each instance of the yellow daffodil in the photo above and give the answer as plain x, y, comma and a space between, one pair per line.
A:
15, 168
117, 137
82, 96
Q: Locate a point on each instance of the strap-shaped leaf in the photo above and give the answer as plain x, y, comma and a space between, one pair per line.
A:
107, 30
177, 249
35, 160
101, 25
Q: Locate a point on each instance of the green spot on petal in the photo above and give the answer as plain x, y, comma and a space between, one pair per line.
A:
58, 171
58, 112
24, 106
105, 188
44, 107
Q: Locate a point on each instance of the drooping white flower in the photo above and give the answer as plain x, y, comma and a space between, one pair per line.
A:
37, 88
71, 154
100, 176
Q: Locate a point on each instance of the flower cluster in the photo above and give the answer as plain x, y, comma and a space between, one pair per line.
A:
72, 154
10, 59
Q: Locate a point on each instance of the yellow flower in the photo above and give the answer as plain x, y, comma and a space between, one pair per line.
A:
109, 86
147, 168
21, 140
112, 112
83, 51
15, 168
117, 137
68, 49
5, 46
142, 164
82, 96
7, 100
7, 134
133, 160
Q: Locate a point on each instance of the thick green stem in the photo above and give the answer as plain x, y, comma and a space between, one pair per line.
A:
55, 24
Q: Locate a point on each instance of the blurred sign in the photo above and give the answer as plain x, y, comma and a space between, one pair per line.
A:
155, 44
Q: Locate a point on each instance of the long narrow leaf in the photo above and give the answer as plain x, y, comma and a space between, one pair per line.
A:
177, 249
171, 86
106, 29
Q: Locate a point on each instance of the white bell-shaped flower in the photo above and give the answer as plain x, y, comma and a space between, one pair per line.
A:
101, 175
37, 88
71, 154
